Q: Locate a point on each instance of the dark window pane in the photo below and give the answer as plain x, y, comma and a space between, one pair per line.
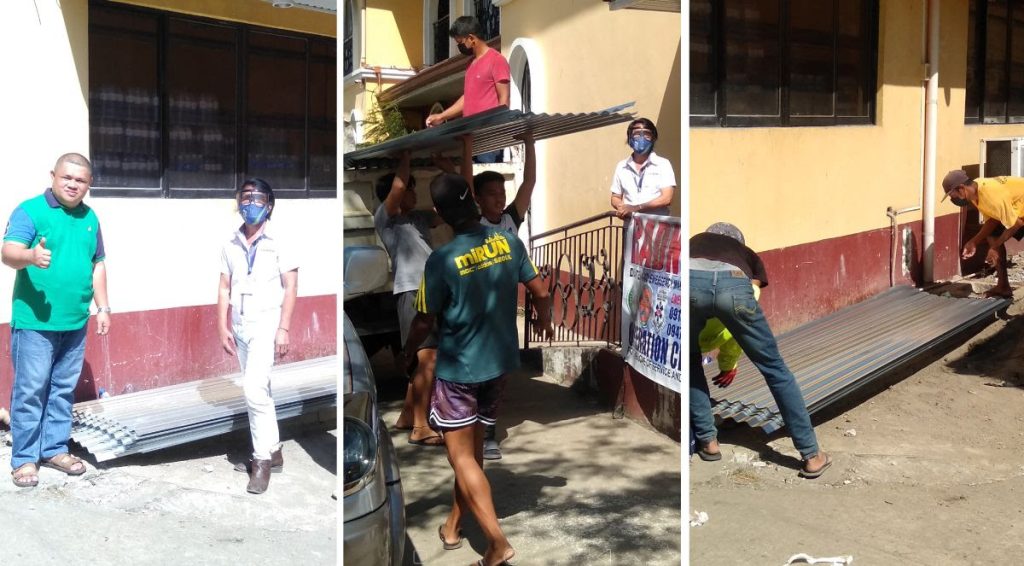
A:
995, 62
122, 20
811, 70
275, 42
527, 90
752, 58
1015, 106
201, 63
702, 60
489, 17
124, 116
276, 116
972, 105
854, 60
323, 111
164, 78
349, 54
441, 27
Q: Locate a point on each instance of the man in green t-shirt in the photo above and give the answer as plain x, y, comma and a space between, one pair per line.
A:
55, 244
469, 289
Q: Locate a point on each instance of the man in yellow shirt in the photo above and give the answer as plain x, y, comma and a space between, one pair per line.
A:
1001, 201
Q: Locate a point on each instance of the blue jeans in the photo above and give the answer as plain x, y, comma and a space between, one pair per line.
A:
728, 296
46, 369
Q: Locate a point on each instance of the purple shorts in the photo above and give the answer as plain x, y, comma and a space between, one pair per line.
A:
457, 405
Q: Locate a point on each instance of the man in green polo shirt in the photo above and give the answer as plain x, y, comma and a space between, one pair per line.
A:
54, 243
469, 288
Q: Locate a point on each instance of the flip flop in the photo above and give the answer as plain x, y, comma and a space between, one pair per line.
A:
709, 456
17, 476
804, 473
433, 440
65, 463
449, 545
507, 561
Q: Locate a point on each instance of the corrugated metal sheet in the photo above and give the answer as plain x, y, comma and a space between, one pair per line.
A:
839, 353
653, 5
493, 129
168, 416
328, 6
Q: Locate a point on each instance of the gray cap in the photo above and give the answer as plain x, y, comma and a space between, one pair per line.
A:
726, 229
954, 179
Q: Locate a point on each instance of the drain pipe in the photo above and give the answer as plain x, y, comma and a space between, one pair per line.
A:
892, 213
931, 137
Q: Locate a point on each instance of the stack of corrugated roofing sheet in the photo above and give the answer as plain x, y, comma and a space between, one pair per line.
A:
653, 5
494, 129
176, 414
839, 353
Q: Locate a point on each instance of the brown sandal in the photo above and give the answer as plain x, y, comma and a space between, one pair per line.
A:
18, 476
65, 463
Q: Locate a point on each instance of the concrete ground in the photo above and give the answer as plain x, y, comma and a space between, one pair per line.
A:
574, 485
181, 505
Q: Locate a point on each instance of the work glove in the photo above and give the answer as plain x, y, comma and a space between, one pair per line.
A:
723, 379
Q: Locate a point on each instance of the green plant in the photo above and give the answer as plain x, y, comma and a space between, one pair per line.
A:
383, 123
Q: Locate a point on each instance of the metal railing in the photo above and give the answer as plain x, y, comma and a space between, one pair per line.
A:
581, 263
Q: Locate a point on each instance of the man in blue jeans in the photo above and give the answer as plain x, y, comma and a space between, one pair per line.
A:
722, 270
54, 243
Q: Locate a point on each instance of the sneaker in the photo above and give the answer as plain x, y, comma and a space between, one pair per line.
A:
491, 449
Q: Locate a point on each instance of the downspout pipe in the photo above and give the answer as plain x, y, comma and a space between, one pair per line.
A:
930, 143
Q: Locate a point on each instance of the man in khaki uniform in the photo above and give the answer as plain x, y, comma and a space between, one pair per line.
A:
1001, 201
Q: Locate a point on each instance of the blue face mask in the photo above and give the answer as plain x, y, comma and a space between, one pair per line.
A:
253, 214
641, 145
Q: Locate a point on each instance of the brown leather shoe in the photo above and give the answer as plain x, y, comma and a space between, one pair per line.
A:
259, 477
276, 463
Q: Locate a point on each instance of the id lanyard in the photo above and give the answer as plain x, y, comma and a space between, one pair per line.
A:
250, 258
639, 176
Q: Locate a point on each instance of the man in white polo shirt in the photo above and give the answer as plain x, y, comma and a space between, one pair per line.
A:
643, 182
258, 281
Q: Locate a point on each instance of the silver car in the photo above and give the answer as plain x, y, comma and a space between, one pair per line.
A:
374, 510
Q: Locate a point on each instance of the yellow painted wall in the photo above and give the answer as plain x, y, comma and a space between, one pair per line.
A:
254, 12
788, 186
628, 55
395, 33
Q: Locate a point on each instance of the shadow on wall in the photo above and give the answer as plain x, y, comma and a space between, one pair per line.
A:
669, 124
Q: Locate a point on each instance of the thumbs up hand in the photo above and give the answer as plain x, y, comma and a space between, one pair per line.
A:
41, 255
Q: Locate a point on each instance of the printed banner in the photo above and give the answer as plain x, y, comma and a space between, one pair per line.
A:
652, 311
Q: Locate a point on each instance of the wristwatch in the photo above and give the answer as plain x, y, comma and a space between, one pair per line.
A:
102, 309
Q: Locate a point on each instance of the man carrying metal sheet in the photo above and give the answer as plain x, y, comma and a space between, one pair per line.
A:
469, 289
54, 243
258, 281
1001, 200
722, 272
486, 85
489, 192
405, 233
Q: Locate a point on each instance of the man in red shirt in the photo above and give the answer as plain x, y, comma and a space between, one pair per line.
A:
487, 79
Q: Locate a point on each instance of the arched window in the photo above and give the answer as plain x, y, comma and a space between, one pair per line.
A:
524, 89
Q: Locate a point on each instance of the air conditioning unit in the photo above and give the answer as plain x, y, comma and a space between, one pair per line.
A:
1001, 156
